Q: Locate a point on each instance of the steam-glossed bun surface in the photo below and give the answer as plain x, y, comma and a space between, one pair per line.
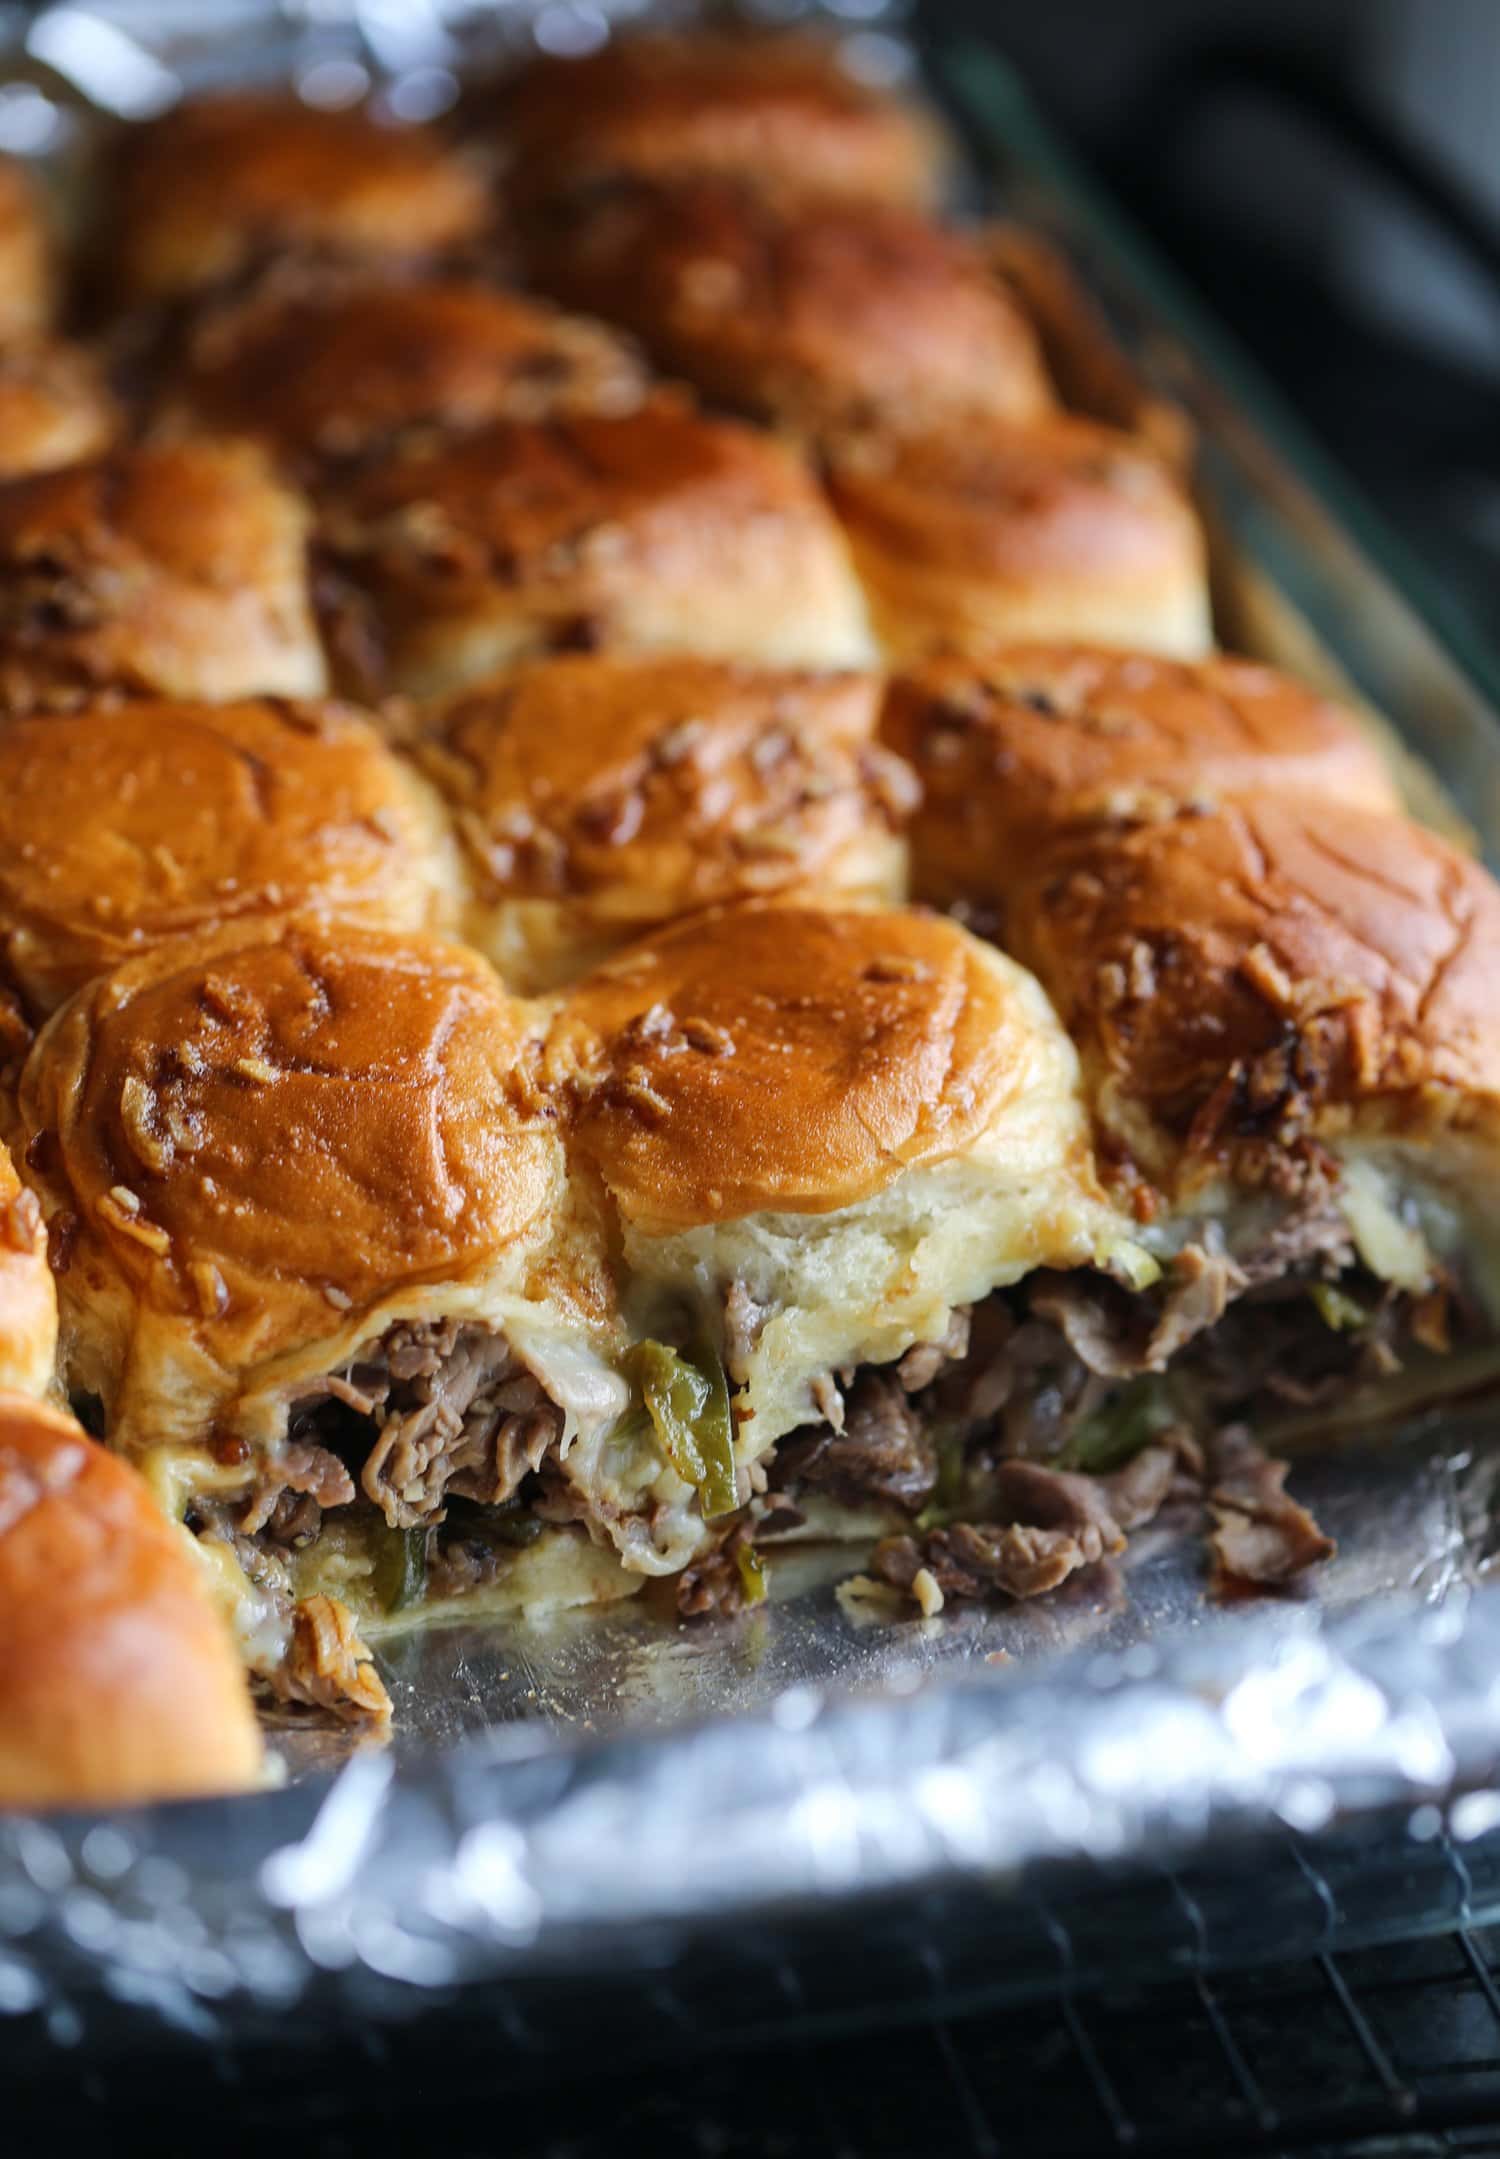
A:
782, 111
812, 315
1021, 744
54, 407
178, 569
1280, 966
596, 796
989, 534
333, 367
27, 275
792, 1058
221, 183
260, 1142
837, 1124
28, 1300
121, 826
118, 1679
659, 530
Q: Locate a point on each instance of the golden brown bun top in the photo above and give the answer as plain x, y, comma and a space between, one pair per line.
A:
686, 780
1259, 970
267, 1130
332, 366
780, 110
815, 314
122, 825
589, 502
187, 508
1030, 739
175, 567
1062, 498
787, 1058
222, 182
119, 1682
55, 407
28, 1300
27, 273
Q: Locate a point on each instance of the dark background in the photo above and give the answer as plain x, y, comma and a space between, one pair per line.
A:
1328, 174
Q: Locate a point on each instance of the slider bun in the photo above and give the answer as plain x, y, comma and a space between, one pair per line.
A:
119, 1682
1281, 966
219, 183
989, 534
1027, 742
326, 367
177, 569
595, 796
792, 1058
814, 315
262, 1144
121, 826
28, 285
54, 407
1093, 373
854, 1119
658, 530
28, 1301
782, 111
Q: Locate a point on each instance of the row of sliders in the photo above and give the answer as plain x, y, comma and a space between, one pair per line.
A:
310, 444
798, 1215
505, 1141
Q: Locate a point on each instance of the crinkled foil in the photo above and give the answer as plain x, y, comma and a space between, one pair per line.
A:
604, 1795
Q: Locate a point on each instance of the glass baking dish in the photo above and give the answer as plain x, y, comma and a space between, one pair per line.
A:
606, 1814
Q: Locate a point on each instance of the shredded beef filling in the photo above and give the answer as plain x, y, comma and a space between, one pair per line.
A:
288, 1501
455, 1413
715, 1582
881, 1453
323, 1664
433, 1436
327, 1666
1050, 1422
1067, 1409
1260, 1534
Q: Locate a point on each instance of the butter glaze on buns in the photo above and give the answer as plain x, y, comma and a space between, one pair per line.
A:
783, 111
119, 1683
1028, 742
178, 569
990, 534
323, 366
813, 315
220, 183
28, 286
595, 796
864, 1117
309, 1195
267, 1144
55, 408
28, 1300
1276, 968
122, 826
838, 1046
660, 530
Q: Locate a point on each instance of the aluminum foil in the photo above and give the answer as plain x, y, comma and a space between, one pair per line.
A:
791, 1762
613, 1794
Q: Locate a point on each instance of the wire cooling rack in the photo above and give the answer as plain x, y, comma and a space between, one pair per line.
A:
879, 2040
1391, 2053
